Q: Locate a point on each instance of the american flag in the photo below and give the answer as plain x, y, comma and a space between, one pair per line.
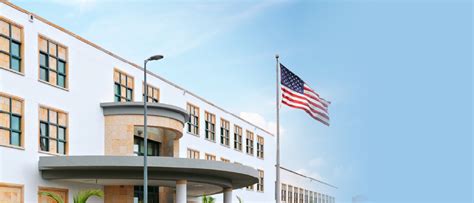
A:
297, 94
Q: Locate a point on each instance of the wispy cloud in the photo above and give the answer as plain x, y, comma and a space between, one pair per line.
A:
260, 121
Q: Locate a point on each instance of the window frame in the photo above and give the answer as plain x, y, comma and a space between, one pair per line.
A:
261, 181
49, 123
192, 117
58, 60
154, 98
260, 147
212, 156
249, 142
120, 95
225, 133
10, 115
238, 138
207, 124
10, 39
194, 152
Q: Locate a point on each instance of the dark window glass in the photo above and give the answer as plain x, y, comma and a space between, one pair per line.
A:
61, 148
61, 67
129, 94
15, 123
60, 81
15, 138
15, 49
15, 64
44, 74
43, 60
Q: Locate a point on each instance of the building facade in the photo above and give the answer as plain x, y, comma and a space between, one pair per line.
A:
71, 118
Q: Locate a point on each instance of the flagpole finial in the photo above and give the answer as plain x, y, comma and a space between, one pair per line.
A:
277, 56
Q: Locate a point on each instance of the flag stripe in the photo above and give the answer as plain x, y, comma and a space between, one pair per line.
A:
304, 97
315, 96
305, 109
305, 104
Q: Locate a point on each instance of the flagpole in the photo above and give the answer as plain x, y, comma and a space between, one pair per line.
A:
278, 185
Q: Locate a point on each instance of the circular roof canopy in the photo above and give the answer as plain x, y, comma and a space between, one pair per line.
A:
205, 176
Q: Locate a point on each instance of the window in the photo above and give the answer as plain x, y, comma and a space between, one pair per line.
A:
153, 93
260, 181
283, 193
225, 128
193, 154
306, 196
290, 194
139, 147
11, 193
225, 160
319, 198
53, 131
210, 157
123, 87
210, 126
10, 46
153, 194
11, 111
250, 187
301, 195
63, 193
237, 138
53, 62
249, 142
295, 194
193, 120
311, 197
260, 147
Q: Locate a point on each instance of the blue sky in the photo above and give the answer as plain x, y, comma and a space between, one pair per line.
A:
398, 73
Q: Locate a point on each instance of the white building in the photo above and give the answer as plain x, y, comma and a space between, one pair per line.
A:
71, 118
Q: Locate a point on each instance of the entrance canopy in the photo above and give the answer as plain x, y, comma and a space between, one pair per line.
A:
203, 176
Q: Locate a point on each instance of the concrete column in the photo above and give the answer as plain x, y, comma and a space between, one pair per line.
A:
228, 195
181, 191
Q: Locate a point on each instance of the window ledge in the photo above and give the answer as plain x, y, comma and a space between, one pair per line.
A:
51, 153
12, 146
225, 145
61, 88
195, 135
237, 150
210, 140
13, 71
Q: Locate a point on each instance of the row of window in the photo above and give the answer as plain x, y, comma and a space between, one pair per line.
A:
291, 194
195, 154
53, 126
124, 85
52, 56
210, 131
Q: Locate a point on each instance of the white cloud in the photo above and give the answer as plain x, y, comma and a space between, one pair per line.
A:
261, 122
316, 162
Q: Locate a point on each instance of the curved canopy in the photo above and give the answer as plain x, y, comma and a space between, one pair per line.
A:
163, 170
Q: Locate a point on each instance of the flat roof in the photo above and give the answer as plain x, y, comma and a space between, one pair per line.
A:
126, 61
304, 176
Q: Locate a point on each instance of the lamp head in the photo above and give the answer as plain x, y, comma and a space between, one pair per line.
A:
155, 58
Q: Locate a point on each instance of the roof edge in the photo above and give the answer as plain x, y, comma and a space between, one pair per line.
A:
311, 178
6, 2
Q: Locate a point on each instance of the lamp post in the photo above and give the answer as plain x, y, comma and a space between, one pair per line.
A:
145, 125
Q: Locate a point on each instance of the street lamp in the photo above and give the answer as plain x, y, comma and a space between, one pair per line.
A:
145, 134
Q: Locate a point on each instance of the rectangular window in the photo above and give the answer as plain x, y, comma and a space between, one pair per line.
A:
290, 194
225, 160
193, 154
11, 193
237, 137
10, 46
311, 197
53, 131
306, 196
11, 120
319, 198
295, 194
260, 181
153, 93
63, 193
139, 147
210, 126
53, 62
225, 129
249, 142
260, 147
283, 193
301, 195
123, 87
210, 157
193, 120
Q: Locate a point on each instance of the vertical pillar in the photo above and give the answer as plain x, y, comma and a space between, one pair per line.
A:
181, 191
228, 195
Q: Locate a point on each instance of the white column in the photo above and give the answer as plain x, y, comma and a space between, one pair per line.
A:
228, 195
181, 191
